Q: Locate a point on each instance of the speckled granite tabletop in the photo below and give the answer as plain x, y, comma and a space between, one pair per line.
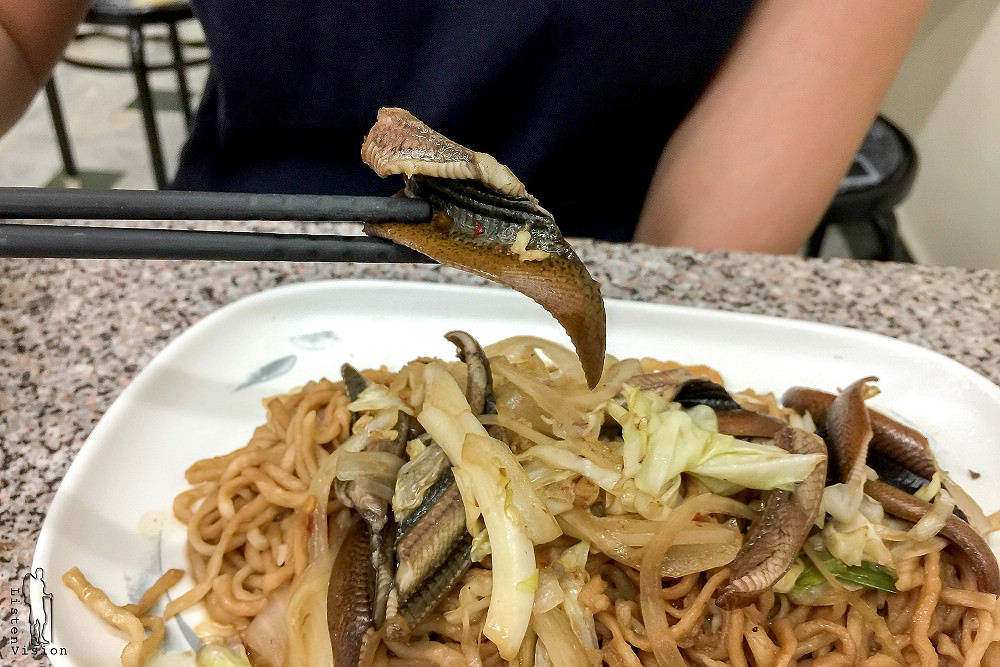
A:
73, 333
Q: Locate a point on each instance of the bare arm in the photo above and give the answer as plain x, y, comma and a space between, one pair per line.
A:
757, 161
32, 37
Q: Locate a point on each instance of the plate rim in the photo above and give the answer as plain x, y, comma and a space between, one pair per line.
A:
615, 307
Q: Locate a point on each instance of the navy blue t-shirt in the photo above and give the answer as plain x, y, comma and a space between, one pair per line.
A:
578, 98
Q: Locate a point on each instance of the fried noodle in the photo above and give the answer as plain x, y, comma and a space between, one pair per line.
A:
615, 588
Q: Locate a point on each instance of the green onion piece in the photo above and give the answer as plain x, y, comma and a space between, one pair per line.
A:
868, 574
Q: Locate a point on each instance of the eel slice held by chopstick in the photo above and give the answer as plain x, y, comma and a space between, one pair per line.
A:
485, 222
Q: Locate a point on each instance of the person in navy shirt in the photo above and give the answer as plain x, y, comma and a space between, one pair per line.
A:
710, 124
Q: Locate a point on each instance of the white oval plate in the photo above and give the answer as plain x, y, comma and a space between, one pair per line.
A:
201, 396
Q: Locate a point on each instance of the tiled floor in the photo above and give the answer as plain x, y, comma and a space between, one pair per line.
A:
106, 131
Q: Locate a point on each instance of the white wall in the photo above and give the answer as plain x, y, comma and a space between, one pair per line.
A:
947, 98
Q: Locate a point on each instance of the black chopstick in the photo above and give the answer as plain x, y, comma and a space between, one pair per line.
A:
17, 203
85, 242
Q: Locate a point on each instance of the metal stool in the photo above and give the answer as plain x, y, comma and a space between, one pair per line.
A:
134, 18
879, 178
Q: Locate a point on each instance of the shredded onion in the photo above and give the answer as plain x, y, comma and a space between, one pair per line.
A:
932, 522
650, 582
561, 643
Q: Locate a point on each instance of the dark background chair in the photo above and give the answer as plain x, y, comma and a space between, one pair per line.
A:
135, 19
879, 179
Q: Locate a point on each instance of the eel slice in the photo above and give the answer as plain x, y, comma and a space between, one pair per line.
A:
776, 539
485, 222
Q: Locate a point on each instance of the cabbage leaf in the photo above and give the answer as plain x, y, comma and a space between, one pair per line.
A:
661, 440
493, 483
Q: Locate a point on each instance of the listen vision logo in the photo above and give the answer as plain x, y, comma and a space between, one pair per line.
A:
31, 621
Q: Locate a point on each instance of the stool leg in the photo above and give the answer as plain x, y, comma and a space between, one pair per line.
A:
815, 243
141, 71
182, 86
885, 226
62, 135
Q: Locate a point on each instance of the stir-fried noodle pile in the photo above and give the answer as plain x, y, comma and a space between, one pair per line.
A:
630, 576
